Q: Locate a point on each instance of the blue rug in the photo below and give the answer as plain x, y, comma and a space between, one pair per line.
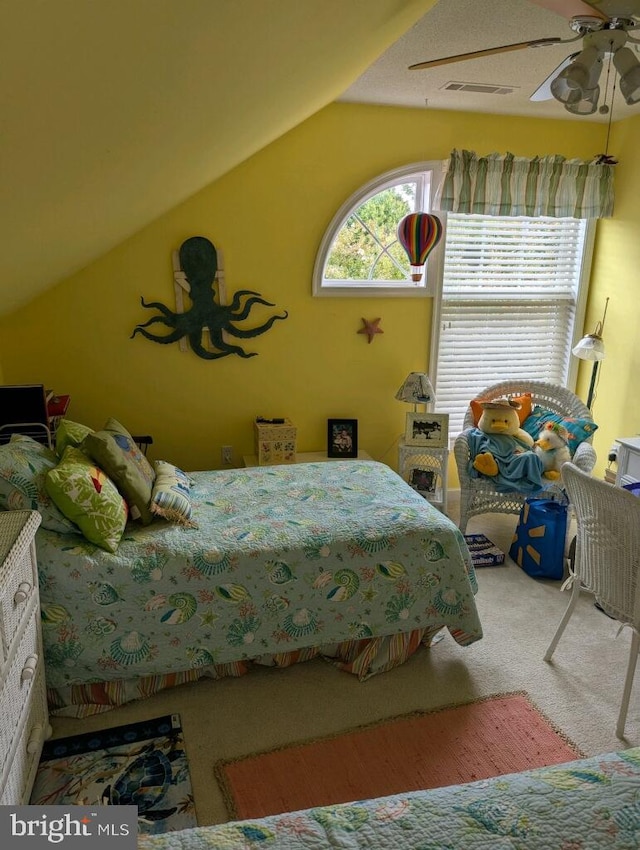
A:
142, 764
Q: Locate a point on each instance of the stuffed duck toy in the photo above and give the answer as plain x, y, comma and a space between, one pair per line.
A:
552, 447
501, 450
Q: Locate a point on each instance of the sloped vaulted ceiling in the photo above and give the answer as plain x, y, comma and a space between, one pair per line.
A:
114, 111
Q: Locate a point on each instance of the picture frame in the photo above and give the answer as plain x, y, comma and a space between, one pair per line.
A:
423, 481
427, 429
342, 438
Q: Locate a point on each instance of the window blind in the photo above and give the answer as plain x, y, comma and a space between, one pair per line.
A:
508, 304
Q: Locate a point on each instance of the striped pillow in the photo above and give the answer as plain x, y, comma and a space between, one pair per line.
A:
170, 494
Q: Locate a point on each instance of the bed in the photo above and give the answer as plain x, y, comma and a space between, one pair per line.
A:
589, 803
278, 564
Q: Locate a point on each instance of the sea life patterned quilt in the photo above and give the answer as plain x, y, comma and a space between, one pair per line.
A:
284, 557
582, 805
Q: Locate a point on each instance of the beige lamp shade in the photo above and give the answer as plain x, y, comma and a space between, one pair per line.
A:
416, 389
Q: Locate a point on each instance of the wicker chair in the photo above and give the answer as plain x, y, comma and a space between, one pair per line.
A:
478, 495
607, 560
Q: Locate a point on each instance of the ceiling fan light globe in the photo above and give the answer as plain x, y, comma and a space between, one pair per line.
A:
630, 89
587, 105
564, 92
575, 86
577, 76
584, 67
629, 69
625, 61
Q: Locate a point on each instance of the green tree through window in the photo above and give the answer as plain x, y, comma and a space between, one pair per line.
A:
367, 247
360, 253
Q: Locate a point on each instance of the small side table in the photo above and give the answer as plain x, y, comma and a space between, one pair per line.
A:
425, 470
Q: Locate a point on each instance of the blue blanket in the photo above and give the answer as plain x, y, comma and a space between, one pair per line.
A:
519, 468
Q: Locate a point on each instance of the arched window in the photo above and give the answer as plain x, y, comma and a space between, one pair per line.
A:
360, 254
510, 291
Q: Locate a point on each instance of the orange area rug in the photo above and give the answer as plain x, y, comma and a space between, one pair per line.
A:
489, 737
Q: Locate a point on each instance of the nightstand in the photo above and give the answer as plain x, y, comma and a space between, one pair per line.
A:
425, 470
628, 460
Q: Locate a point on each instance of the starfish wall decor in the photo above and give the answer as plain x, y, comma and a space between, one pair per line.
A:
371, 328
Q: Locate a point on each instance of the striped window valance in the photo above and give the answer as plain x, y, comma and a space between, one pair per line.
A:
508, 185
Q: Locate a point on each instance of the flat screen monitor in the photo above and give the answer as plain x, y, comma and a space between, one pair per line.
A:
23, 410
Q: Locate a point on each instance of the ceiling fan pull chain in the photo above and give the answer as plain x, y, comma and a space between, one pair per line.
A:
613, 93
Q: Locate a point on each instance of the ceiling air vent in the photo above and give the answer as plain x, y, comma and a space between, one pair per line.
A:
478, 88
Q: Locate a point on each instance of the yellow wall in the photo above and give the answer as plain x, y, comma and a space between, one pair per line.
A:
267, 216
615, 274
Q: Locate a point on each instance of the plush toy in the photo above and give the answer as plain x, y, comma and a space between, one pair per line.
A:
502, 450
552, 449
501, 417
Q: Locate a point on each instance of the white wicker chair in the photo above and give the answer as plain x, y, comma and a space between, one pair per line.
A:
607, 560
478, 495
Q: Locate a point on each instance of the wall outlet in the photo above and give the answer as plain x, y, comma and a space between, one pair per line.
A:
227, 455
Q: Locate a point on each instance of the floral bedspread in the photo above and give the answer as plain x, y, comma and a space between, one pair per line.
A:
285, 557
581, 805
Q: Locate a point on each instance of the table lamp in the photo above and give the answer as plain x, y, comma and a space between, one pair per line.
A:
591, 347
417, 389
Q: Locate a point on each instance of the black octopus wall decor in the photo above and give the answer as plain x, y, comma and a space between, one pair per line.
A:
199, 262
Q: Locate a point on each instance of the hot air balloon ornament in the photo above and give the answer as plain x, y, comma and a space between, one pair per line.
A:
419, 233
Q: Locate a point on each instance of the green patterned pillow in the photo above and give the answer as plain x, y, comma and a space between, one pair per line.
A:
70, 434
24, 464
114, 450
170, 496
86, 496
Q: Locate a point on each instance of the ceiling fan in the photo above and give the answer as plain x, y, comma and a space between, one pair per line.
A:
604, 26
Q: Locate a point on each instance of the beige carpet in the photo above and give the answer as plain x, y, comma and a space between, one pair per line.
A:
579, 691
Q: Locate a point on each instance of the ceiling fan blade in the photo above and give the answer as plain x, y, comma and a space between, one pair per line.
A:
615, 8
604, 9
543, 92
572, 8
489, 51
